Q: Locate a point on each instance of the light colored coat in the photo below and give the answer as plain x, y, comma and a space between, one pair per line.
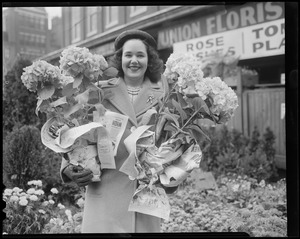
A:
107, 201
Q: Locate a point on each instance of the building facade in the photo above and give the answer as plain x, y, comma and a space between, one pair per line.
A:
26, 29
26, 34
254, 32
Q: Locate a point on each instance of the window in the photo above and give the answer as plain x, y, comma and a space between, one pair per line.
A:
136, 10
76, 19
92, 20
111, 16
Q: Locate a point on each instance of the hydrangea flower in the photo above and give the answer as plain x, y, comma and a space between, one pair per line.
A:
54, 190
41, 211
31, 191
8, 192
75, 61
23, 201
14, 198
40, 74
33, 197
61, 206
36, 183
39, 192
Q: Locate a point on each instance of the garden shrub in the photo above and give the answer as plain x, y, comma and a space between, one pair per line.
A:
22, 156
18, 103
231, 151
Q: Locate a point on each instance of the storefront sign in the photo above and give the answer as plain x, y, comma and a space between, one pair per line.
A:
247, 15
261, 40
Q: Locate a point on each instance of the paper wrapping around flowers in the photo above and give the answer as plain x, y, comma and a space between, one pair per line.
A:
66, 135
152, 201
86, 157
129, 166
179, 170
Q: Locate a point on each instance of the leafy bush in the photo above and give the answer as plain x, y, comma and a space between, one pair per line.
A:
22, 156
231, 151
18, 103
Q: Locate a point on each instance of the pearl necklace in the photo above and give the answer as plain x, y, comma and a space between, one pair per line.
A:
133, 92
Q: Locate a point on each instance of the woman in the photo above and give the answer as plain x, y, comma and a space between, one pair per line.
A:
136, 90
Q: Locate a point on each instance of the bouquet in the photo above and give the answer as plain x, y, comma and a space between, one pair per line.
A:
71, 96
166, 151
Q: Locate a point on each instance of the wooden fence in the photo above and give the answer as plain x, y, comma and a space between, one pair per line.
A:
266, 108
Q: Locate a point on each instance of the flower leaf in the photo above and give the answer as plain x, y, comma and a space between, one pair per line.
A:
77, 80
83, 97
111, 71
197, 132
46, 92
200, 105
183, 115
38, 104
60, 101
71, 109
68, 90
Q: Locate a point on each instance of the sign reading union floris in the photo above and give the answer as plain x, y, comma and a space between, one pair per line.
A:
250, 31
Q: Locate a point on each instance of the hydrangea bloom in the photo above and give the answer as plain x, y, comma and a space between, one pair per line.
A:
14, 198
61, 206
224, 99
183, 68
54, 191
31, 191
75, 61
36, 183
186, 70
39, 192
23, 201
41, 74
33, 198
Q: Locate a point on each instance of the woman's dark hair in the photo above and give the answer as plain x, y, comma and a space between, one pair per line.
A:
155, 64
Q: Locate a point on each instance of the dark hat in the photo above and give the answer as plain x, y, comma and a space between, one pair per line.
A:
134, 34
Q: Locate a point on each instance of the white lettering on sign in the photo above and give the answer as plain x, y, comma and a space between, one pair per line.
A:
246, 15
265, 39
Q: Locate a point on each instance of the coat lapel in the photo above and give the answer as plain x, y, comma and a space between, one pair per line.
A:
146, 99
122, 102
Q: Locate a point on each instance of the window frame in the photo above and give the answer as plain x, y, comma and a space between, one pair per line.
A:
90, 14
75, 24
108, 14
134, 11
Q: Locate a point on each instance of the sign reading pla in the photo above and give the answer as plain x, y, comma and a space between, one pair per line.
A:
261, 40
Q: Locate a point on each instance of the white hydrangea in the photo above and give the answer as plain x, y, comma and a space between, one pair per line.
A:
33, 198
23, 201
14, 198
8, 192
61, 206
54, 191
31, 191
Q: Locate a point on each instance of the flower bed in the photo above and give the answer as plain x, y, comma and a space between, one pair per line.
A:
238, 204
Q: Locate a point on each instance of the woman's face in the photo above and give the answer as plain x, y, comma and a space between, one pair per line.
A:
134, 61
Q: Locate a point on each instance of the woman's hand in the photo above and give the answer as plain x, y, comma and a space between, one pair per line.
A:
78, 175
